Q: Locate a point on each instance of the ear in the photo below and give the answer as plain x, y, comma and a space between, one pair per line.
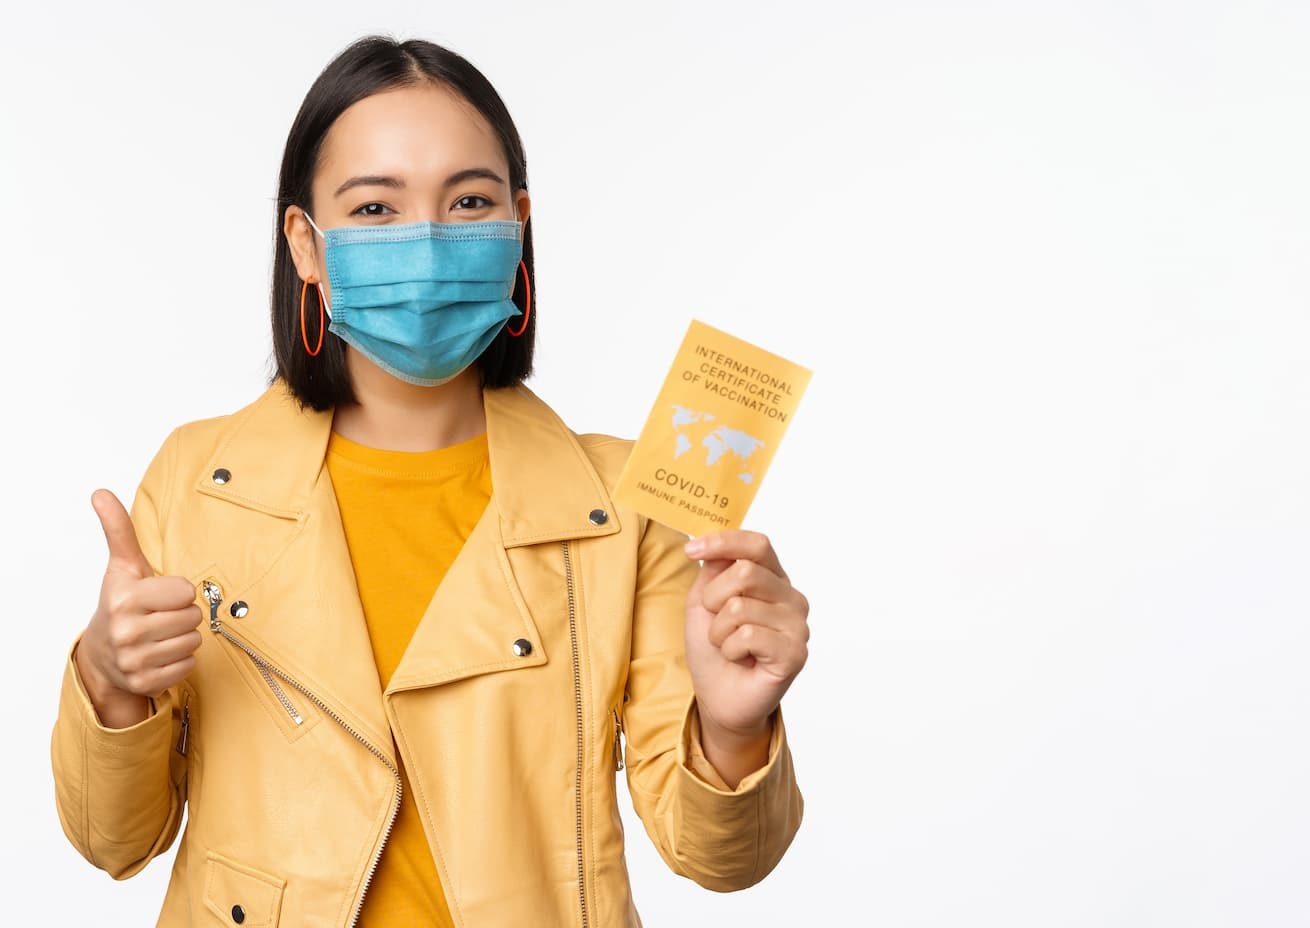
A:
304, 244
522, 206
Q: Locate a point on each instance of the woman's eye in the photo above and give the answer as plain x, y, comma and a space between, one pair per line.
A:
371, 209
472, 201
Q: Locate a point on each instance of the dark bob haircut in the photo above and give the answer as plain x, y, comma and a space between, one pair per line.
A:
372, 65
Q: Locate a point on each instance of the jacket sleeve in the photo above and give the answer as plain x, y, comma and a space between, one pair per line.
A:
119, 792
724, 839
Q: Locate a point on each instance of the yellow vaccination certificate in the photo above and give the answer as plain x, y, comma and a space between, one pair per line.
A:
715, 427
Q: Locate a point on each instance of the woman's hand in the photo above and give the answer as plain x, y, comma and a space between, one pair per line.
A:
747, 638
143, 634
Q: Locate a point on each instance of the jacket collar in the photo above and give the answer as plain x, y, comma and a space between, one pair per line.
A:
544, 487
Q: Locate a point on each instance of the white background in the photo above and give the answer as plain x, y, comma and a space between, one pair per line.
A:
1047, 492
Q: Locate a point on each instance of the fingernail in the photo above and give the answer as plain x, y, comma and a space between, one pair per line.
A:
694, 548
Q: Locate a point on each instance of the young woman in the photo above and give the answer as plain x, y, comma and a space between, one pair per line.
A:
382, 633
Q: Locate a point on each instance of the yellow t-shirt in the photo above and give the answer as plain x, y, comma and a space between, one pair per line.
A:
406, 515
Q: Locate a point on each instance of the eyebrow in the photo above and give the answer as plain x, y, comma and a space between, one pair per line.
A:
371, 180
396, 183
473, 174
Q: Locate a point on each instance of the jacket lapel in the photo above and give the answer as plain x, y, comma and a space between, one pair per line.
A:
288, 560
544, 491
295, 571
543, 484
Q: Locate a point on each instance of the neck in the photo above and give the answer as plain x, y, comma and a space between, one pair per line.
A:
397, 416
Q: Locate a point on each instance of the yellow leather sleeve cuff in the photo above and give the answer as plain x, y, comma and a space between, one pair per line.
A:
77, 702
691, 755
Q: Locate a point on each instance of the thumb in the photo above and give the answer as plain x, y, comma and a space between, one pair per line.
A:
124, 549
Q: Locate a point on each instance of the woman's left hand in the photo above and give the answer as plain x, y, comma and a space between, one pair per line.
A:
747, 632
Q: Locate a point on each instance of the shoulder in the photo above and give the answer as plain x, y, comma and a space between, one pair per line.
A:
607, 454
201, 438
528, 421
271, 428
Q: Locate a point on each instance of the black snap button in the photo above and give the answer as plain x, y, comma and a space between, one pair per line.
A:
222, 476
238, 914
598, 517
239, 609
522, 647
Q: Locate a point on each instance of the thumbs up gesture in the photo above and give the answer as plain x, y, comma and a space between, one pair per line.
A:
143, 635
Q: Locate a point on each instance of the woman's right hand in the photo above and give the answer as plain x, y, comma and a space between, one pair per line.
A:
143, 636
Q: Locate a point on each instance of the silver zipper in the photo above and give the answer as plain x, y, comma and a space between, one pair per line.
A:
618, 743
185, 733
577, 708
214, 594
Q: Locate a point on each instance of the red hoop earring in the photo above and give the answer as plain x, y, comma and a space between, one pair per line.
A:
304, 336
527, 303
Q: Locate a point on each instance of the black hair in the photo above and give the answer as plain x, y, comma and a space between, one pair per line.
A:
368, 66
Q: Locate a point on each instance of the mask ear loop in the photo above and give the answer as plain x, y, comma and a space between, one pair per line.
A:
311, 221
321, 298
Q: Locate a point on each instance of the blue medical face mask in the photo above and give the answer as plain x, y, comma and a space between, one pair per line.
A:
421, 300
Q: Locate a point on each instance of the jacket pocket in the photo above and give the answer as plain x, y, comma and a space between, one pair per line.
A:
241, 895
284, 705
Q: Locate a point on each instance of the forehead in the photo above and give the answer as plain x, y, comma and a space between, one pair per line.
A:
419, 132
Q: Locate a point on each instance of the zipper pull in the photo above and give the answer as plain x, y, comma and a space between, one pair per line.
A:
214, 593
180, 747
618, 745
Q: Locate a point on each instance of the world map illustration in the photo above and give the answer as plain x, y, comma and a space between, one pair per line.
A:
723, 446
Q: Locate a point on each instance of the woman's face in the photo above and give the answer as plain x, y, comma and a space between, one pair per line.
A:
406, 155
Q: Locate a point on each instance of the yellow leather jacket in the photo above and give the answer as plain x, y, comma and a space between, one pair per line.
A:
554, 642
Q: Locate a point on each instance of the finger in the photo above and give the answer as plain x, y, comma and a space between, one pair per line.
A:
755, 644
709, 571
736, 545
124, 549
152, 683
741, 611
745, 578
166, 625
151, 654
163, 594
171, 650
